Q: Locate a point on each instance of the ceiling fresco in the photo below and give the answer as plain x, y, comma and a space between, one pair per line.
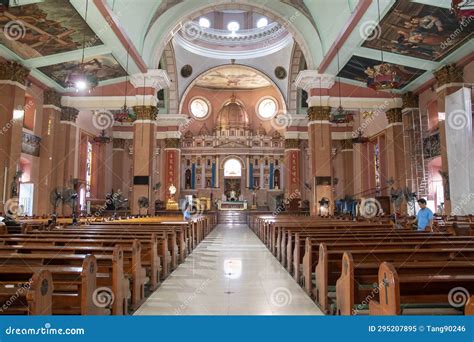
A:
103, 67
361, 68
233, 77
43, 29
420, 31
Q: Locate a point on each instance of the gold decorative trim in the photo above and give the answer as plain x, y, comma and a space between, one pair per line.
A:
146, 112
292, 143
13, 71
171, 143
448, 74
51, 97
394, 115
319, 113
69, 114
410, 100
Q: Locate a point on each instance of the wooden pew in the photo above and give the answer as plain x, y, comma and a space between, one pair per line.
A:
397, 291
25, 292
328, 268
359, 282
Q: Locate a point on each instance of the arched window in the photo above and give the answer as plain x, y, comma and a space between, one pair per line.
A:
232, 168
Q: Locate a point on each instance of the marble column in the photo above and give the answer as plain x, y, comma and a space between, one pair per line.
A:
12, 101
394, 148
119, 181
144, 128
347, 153
67, 152
48, 177
320, 145
455, 130
172, 153
292, 174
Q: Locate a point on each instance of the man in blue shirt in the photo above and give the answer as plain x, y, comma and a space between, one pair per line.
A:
424, 218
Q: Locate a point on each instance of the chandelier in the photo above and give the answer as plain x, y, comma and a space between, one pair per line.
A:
79, 77
384, 76
462, 9
102, 138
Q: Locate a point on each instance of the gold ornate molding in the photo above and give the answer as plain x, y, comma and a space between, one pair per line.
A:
346, 144
292, 143
119, 143
145, 112
69, 114
410, 100
51, 97
394, 115
13, 71
319, 113
171, 143
448, 74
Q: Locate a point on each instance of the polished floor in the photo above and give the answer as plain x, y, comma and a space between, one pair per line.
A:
230, 273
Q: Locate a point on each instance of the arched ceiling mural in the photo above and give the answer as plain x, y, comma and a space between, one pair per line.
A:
47, 35
232, 77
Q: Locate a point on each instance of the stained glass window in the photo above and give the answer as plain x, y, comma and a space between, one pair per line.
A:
377, 168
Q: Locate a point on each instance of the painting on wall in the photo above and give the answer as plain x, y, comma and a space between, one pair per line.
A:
103, 67
233, 77
420, 31
365, 69
44, 28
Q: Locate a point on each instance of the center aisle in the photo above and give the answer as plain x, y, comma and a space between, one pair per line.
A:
230, 273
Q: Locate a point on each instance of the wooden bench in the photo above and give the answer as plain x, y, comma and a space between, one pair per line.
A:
25, 292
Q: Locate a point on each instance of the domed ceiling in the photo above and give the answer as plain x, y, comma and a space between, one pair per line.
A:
233, 77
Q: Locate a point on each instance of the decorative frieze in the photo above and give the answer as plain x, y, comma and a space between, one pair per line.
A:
394, 115
448, 74
410, 100
292, 143
171, 143
319, 113
13, 71
145, 112
69, 114
51, 97
30, 144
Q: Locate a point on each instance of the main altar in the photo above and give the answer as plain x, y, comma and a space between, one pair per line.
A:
231, 205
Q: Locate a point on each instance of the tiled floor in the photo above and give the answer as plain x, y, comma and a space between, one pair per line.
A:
230, 273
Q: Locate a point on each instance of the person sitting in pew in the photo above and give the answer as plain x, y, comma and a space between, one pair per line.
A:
424, 217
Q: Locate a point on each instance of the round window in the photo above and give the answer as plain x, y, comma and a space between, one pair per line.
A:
267, 108
199, 108
233, 26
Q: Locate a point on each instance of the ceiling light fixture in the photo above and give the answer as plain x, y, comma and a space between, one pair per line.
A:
80, 78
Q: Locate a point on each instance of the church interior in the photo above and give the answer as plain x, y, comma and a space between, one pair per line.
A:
193, 157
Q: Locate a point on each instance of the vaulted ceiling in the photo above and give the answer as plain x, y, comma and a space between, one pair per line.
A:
47, 35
